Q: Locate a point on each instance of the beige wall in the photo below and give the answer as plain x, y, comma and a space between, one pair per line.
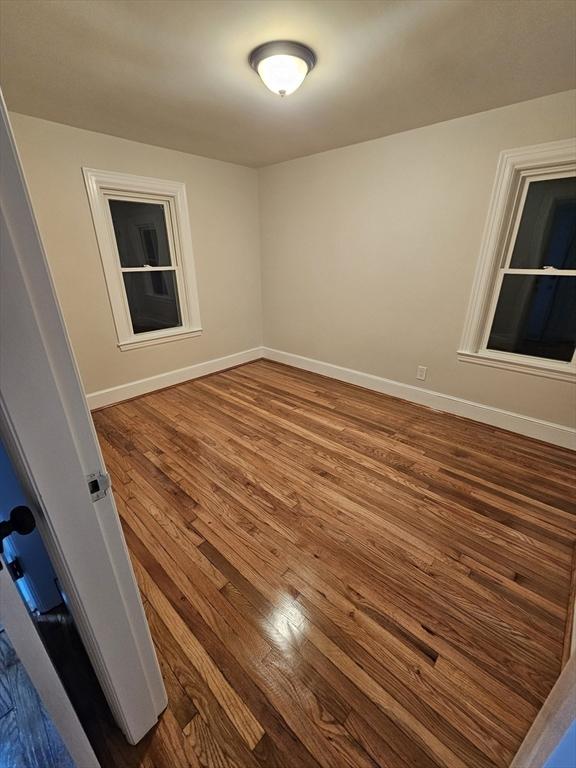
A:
368, 253
223, 200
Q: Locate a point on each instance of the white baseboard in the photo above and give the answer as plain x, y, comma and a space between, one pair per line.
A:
496, 417
134, 388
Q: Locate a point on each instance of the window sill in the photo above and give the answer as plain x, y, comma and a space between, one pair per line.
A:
161, 338
521, 364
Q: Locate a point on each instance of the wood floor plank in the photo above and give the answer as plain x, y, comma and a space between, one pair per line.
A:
240, 715
7, 657
202, 595
335, 577
206, 704
11, 748
361, 462
438, 524
28, 738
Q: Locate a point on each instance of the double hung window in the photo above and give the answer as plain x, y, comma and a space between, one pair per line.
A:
523, 310
145, 245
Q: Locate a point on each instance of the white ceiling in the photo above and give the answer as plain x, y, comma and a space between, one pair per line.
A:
175, 73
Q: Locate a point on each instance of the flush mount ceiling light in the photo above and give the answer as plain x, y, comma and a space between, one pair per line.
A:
282, 65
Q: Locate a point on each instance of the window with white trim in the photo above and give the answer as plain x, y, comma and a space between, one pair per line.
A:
145, 245
522, 313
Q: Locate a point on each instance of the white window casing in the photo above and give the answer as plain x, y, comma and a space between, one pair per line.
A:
105, 185
516, 169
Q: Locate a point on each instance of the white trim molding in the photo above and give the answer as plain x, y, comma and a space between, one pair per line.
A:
103, 186
104, 397
172, 334
524, 364
556, 434
516, 168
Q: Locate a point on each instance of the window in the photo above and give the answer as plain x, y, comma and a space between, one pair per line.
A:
522, 314
144, 239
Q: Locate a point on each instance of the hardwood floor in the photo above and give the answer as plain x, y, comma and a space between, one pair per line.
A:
28, 738
334, 577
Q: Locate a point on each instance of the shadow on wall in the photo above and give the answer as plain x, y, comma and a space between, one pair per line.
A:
38, 585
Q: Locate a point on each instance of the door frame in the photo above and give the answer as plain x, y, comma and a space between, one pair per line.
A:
51, 437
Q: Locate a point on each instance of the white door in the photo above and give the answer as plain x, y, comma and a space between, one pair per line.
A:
48, 430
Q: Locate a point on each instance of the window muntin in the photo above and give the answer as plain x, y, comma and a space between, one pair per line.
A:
145, 245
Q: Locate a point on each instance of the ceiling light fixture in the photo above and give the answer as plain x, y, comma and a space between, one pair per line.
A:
282, 65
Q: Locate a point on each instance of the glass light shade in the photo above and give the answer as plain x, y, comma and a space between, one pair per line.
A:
283, 73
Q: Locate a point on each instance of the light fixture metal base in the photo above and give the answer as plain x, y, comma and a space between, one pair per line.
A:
282, 47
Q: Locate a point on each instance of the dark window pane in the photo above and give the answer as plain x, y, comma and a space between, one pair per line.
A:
536, 316
140, 230
547, 232
153, 300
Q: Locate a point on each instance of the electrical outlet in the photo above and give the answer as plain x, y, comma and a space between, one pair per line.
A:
421, 372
